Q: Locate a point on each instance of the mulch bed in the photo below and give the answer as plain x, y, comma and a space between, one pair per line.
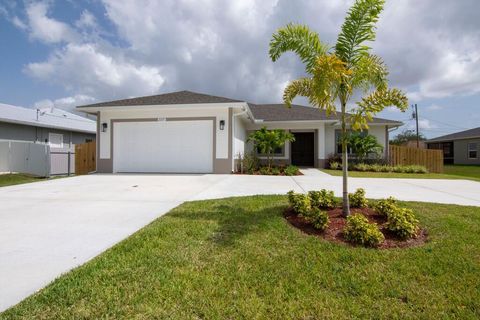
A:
334, 231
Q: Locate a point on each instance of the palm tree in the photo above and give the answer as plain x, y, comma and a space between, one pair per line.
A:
336, 73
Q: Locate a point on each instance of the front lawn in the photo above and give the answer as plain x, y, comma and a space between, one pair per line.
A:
451, 172
10, 179
238, 258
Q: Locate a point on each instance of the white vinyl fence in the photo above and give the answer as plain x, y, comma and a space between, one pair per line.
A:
25, 157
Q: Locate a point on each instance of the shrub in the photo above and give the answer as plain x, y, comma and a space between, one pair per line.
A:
398, 169
385, 206
265, 171
402, 222
318, 218
362, 167
250, 162
359, 230
357, 199
300, 203
335, 165
291, 170
322, 199
275, 171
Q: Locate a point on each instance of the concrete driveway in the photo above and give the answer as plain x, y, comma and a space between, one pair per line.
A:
48, 228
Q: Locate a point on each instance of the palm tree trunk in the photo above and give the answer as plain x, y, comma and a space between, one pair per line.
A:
346, 204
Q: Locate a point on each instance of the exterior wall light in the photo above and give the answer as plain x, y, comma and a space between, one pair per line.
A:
104, 127
222, 124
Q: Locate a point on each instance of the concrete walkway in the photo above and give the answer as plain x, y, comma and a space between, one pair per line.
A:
48, 228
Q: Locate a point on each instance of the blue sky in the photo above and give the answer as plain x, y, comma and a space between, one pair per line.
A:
68, 53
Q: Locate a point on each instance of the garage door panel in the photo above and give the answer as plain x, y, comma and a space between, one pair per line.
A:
163, 146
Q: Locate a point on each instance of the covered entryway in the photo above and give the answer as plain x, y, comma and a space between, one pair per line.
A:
303, 149
167, 146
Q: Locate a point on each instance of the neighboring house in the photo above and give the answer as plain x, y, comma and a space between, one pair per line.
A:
58, 128
187, 132
460, 147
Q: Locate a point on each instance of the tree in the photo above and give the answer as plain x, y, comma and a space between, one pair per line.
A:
362, 146
266, 141
335, 74
405, 136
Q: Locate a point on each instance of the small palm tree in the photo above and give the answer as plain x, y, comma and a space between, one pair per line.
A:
335, 74
268, 140
362, 146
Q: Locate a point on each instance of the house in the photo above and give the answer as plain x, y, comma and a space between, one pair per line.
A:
459, 148
56, 127
188, 132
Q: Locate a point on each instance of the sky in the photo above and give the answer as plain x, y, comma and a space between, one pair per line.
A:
67, 53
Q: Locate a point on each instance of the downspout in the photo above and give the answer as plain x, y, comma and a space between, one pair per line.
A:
233, 135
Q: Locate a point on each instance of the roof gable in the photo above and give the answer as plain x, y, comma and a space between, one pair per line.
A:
179, 97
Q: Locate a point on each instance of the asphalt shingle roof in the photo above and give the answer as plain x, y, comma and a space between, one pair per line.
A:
47, 118
179, 97
280, 112
266, 112
471, 133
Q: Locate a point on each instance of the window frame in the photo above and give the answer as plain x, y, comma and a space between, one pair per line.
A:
470, 149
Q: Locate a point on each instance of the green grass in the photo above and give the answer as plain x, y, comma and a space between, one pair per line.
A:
238, 258
17, 178
451, 172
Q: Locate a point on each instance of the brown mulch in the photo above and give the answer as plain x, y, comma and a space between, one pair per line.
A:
334, 231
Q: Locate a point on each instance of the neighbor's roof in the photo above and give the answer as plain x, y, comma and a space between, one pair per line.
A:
47, 118
280, 112
179, 97
471, 133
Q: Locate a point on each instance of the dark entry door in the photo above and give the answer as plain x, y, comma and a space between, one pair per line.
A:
303, 149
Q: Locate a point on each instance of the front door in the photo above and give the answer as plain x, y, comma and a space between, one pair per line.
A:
303, 149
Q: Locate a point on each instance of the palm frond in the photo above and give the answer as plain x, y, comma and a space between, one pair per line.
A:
299, 39
374, 103
359, 27
299, 87
370, 71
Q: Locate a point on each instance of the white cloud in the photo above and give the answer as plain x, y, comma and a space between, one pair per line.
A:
17, 22
85, 68
65, 103
45, 28
434, 107
86, 20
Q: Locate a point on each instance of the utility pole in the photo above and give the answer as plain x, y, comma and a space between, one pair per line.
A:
415, 116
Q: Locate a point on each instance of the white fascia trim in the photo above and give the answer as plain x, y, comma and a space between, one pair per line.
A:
162, 106
43, 125
258, 121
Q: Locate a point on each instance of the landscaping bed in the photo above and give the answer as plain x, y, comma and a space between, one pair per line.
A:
334, 230
290, 170
381, 224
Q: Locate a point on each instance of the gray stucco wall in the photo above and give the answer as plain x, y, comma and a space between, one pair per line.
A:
460, 151
12, 131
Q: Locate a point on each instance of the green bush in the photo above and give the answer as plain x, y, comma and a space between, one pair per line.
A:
275, 171
322, 199
402, 222
300, 203
265, 171
361, 167
318, 218
335, 165
250, 163
291, 170
385, 206
358, 230
357, 199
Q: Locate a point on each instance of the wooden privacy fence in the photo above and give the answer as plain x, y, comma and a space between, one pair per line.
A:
431, 159
85, 156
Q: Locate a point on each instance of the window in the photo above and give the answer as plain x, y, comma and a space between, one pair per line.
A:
338, 139
472, 151
55, 140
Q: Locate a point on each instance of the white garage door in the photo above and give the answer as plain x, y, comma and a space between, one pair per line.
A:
163, 146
